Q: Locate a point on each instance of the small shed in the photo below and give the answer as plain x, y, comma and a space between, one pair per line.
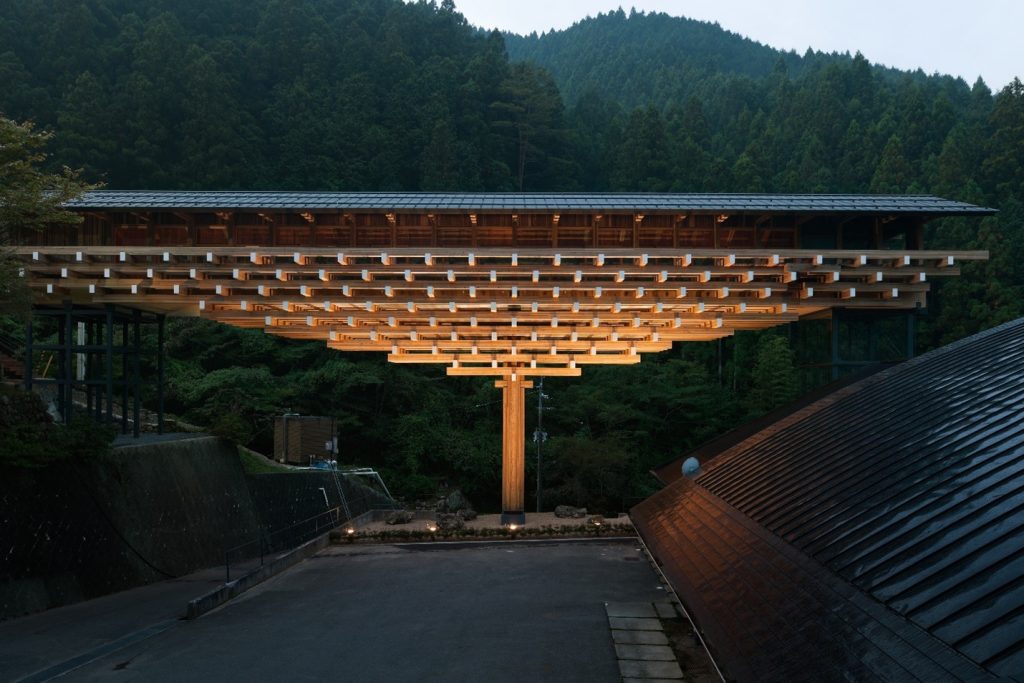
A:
304, 439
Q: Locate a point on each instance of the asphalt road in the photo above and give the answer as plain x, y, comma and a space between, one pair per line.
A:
49, 640
502, 612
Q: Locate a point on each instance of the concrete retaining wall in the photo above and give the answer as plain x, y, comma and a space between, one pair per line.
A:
146, 513
79, 530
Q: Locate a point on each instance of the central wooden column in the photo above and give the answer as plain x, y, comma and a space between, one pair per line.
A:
513, 461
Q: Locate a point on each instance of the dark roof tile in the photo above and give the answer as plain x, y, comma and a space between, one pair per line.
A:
427, 201
906, 486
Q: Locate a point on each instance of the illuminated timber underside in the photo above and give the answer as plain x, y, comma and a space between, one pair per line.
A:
508, 285
493, 311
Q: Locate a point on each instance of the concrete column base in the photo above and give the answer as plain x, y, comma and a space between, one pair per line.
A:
513, 518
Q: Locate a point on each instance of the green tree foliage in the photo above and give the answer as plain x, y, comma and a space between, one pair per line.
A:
893, 173
593, 473
681, 105
313, 94
773, 377
643, 159
29, 438
29, 199
385, 94
1005, 165
528, 114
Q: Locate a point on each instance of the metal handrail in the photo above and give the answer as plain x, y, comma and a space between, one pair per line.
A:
264, 539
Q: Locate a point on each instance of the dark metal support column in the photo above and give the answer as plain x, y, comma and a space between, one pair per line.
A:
108, 341
136, 372
124, 376
911, 334
59, 377
873, 339
29, 352
97, 390
87, 374
835, 345
160, 320
68, 371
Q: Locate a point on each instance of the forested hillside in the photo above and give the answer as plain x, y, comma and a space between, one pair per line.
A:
648, 59
655, 59
669, 104
380, 94
310, 94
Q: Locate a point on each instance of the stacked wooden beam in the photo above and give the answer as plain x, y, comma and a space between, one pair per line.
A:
506, 312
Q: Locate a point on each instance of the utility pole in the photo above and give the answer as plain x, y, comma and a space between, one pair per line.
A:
539, 435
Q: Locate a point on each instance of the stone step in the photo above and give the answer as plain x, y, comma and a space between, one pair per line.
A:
641, 646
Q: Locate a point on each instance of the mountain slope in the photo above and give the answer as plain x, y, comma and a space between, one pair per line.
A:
298, 94
641, 59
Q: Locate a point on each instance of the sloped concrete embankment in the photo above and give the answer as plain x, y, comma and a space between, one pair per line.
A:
146, 513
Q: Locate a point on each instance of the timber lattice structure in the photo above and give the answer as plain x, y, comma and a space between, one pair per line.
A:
507, 285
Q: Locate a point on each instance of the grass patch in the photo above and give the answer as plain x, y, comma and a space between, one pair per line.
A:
253, 463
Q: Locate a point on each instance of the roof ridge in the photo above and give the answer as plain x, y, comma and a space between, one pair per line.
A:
927, 205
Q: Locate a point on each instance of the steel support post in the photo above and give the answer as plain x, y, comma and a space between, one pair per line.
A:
108, 340
911, 334
90, 390
29, 352
97, 391
124, 376
834, 369
160, 322
67, 373
136, 372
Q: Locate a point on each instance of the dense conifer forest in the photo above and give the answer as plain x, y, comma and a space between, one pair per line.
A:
387, 95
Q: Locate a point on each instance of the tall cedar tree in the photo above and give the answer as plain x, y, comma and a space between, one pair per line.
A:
384, 94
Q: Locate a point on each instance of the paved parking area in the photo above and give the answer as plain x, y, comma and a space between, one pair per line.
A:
47, 640
529, 610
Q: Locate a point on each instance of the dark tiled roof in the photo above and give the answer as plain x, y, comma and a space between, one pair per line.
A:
507, 201
671, 470
907, 488
770, 613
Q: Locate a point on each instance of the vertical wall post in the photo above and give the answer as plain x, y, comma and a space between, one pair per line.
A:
61, 371
834, 366
68, 372
85, 340
160, 320
873, 323
136, 372
97, 390
911, 333
108, 340
513, 458
124, 375
80, 356
29, 352
90, 368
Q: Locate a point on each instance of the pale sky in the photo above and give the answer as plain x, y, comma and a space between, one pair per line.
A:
967, 38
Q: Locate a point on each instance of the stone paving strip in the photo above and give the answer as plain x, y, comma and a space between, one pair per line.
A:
640, 643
